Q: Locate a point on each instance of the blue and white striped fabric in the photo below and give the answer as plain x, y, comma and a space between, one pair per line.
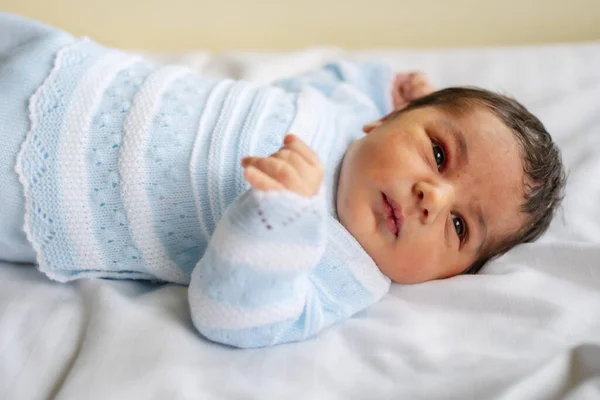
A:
279, 269
133, 171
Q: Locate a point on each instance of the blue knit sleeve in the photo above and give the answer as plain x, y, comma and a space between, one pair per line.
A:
252, 287
363, 81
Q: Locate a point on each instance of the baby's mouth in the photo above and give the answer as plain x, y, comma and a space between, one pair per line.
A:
393, 215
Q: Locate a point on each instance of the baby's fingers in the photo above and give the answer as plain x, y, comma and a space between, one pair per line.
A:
280, 171
401, 78
297, 145
418, 78
418, 85
261, 181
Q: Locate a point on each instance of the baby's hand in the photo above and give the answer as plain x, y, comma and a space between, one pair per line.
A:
410, 86
294, 167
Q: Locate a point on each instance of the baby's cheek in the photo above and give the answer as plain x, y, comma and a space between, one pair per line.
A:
382, 165
410, 268
432, 261
453, 266
371, 155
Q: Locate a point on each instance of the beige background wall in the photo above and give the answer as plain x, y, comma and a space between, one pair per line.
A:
285, 24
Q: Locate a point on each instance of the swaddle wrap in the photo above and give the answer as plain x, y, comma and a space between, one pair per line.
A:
131, 170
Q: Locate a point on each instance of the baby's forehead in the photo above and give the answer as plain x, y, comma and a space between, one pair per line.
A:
465, 108
476, 122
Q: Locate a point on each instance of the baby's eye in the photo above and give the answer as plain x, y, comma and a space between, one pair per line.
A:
459, 226
439, 155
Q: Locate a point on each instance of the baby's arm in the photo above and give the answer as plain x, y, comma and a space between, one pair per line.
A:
253, 288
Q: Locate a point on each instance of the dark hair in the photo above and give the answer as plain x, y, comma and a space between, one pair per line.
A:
545, 176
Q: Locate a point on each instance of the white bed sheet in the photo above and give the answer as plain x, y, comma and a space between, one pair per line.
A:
527, 328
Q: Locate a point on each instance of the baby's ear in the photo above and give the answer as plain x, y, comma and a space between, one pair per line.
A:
372, 125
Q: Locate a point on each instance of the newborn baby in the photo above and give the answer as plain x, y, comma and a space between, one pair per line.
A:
112, 167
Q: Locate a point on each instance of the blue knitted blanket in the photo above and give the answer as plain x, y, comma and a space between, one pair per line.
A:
133, 171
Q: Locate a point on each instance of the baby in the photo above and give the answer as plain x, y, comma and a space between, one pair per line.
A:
112, 167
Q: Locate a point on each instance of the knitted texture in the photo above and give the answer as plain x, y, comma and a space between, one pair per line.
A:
27, 53
279, 269
133, 171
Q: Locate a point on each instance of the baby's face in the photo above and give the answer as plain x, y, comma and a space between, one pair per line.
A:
426, 192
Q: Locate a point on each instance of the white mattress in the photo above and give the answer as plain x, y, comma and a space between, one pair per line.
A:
527, 327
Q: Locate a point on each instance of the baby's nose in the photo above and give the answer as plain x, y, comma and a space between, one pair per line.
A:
434, 199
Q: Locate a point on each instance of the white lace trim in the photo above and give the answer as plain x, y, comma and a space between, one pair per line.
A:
73, 138
27, 143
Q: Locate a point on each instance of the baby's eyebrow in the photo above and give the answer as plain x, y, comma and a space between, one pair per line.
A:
459, 138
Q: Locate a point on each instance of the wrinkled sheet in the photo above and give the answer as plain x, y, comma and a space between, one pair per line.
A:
527, 327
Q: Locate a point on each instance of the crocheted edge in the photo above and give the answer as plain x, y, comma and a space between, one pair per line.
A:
33, 100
